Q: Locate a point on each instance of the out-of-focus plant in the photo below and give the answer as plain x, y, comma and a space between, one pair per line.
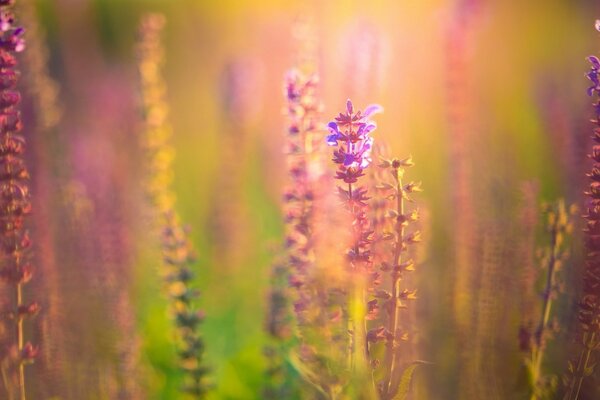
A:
43, 92
292, 274
177, 253
15, 205
317, 301
534, 336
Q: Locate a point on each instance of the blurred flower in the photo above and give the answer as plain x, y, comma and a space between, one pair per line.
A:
15, 205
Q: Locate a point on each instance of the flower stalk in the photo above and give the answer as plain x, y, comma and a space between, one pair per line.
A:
393, 231
350, 132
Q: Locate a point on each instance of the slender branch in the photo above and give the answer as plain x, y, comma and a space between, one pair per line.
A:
396, 277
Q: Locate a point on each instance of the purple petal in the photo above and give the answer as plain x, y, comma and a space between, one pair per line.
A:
349, 159
590, 90
365, 129
598, 25
372, 109
595, 62
332, 139
333, 128
349, 107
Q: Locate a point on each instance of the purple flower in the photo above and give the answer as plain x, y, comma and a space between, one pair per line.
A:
353, 130
6, 21
592, 75
11, 37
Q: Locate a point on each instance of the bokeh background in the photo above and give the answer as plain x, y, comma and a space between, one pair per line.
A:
485, 94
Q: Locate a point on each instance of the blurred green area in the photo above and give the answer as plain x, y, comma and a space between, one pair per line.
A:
521, 53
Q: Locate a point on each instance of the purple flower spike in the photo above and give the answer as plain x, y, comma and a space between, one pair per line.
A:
354, 129
593, 75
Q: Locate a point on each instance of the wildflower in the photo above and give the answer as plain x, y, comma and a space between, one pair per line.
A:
350, 133
353, 129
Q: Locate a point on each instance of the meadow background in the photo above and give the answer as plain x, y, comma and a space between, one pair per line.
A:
510, 108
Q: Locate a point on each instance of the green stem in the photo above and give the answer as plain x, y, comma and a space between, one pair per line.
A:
538, 350
21, 368
358, 309
395, 314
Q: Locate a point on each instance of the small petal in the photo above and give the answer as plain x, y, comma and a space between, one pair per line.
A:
349, 159
590, 90
598, 25
332, 139
365, 129
333, 128
349, 107
595, 62
372, 109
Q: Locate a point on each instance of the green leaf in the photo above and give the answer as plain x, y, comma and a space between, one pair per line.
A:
305, 372
406, 380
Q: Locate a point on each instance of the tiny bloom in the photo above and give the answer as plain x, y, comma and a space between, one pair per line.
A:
335, 135
372, 109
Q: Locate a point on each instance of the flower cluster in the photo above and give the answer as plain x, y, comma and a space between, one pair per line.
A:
178, 256
15, 205
352, 130
303, 109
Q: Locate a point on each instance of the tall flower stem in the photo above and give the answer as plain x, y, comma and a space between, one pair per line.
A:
358, 310
396, 289
350, 133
